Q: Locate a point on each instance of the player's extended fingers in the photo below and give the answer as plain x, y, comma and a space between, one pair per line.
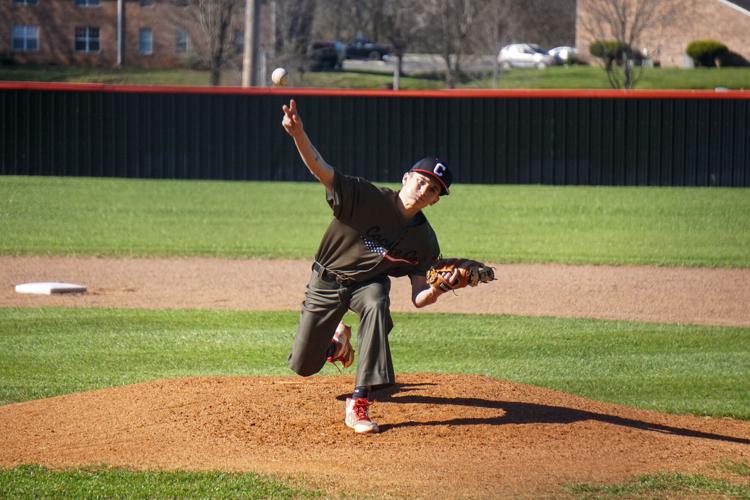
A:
454, 277
293, 106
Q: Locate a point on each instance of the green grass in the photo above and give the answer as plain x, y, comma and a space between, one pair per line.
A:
589, 77
665, 485
112, 76
32, 481
599, 225
682, 369
365, 80
560, 77
738, 468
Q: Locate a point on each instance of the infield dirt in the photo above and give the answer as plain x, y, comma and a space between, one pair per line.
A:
443, 436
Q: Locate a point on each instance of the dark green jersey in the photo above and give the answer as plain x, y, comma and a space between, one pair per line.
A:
368, 235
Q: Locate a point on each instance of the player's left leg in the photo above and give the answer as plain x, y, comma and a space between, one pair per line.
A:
375, 366
372, 304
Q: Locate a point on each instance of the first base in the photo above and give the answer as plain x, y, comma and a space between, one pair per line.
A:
48, 288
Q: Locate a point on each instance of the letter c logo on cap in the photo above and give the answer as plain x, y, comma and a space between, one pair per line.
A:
439, 169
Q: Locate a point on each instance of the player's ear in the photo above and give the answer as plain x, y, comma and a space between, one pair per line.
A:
405, 178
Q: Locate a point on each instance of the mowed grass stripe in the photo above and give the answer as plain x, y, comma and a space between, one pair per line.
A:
673, 368
33, 481
502, 224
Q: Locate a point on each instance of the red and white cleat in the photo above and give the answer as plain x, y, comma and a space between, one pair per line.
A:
358, 416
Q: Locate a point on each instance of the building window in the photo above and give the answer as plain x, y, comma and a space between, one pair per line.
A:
182, 41
87, 39
145, 41
26, 2
25, 38
88, 3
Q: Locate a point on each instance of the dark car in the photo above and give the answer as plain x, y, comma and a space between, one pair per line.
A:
362, 48
325, 55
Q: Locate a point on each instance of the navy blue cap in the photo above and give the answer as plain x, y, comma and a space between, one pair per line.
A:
438, 170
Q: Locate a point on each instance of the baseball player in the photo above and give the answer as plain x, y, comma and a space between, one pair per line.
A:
375, 233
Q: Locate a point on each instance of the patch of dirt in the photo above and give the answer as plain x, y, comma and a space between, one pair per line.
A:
447, 436
670, 295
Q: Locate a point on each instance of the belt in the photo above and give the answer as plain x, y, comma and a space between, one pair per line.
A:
331, 276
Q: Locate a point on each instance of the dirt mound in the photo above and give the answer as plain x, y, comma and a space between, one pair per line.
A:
459, 435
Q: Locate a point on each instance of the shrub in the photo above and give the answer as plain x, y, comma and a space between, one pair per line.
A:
734, 59
706, 52
605, 49
613, 51
6, 59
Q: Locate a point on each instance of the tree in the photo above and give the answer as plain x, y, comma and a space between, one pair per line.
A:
449, 26
497, 20
293, 26
217, 20
402, 24
624, 22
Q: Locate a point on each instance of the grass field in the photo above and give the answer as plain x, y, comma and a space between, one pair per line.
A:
675, 368
32, 481
681, 369
599, 225
560, 77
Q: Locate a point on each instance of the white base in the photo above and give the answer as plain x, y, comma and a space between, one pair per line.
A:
48, 288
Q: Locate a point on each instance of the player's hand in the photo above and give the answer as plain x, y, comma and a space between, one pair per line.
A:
451, 277
292, 122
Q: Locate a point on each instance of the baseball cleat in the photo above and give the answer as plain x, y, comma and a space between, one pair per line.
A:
344, 351
358, 417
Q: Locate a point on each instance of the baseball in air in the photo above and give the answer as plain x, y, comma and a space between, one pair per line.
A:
279, 77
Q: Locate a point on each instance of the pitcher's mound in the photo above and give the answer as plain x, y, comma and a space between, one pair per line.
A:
442, 435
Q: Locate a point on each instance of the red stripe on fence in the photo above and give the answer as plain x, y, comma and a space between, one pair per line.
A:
463, 93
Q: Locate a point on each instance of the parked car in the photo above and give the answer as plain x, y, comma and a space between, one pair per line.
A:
325, 55
362, 48
564, 54
524, 55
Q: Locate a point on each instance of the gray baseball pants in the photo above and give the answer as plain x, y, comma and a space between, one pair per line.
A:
326, 302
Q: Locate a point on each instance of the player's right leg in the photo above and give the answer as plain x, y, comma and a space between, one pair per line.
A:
321, 313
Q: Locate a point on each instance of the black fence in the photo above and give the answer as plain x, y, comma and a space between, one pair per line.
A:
522, 137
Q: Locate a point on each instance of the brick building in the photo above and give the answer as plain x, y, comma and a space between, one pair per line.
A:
666, 42
154, 33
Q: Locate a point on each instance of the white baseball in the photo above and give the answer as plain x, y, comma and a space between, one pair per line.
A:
279, 77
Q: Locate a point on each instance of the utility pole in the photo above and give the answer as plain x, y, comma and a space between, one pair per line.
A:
250, 54
119, 33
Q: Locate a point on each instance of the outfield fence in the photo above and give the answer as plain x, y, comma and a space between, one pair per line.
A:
660, 138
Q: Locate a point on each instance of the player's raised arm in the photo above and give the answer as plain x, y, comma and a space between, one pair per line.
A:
292, 123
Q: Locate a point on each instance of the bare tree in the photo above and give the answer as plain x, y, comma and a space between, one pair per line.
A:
451, 30
217, 19
497, 20
294, 22
625, 21
402, 22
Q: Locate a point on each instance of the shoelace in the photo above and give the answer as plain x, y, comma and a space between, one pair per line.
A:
361, 409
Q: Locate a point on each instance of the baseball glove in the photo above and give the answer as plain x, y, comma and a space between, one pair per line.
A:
469, 273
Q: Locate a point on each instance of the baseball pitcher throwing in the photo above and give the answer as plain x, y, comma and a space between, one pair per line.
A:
375, 233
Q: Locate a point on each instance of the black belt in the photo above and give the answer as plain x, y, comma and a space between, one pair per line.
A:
331, 276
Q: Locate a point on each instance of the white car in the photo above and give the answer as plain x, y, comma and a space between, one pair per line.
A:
564, 54
524, 55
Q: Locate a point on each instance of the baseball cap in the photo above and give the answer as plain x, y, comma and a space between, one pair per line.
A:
438, 170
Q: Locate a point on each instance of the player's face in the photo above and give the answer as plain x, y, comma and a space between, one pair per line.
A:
420, 191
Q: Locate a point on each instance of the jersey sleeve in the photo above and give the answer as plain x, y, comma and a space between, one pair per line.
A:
347, 196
